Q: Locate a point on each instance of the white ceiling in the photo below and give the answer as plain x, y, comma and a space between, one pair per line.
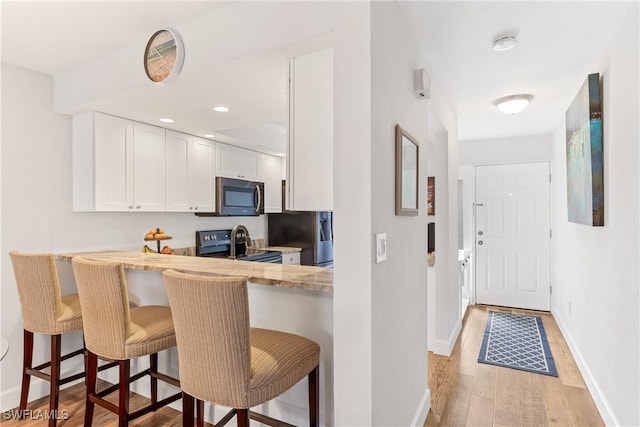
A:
560, 43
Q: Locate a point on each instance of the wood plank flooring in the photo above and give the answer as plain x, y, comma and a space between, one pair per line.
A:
72, 402
467, 393
463, 391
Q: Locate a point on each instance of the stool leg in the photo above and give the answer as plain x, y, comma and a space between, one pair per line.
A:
153, 364
91, 375
242, 417
27, 358
54, 380
200, 413
123, 398
314, 397
187, 410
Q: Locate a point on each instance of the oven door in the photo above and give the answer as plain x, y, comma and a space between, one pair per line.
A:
238, 197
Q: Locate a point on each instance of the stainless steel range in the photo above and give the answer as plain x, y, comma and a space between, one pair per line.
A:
217, 244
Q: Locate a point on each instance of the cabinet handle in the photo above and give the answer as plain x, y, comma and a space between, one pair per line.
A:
196, 208
138, 207
130, 206
190, 207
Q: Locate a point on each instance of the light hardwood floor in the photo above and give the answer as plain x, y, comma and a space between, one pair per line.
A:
463, 391
467, 393
72, 403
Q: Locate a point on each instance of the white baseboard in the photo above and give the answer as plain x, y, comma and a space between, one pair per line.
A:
444, 348
606, 412
420, 417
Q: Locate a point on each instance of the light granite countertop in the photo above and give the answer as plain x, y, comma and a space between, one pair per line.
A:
287, 276
283, 249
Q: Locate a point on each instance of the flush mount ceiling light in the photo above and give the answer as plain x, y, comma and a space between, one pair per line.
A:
221, 109
513, 104
166, 120
504, 42
209, 135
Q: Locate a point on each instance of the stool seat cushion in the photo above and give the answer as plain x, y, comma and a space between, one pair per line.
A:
278, 361
69, 316
151, 331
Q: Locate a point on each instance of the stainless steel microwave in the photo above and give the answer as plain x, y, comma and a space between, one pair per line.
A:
239, 197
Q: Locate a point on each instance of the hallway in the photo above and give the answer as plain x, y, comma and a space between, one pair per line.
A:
465, 392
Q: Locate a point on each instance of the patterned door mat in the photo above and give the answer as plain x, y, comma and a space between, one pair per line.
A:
517, 341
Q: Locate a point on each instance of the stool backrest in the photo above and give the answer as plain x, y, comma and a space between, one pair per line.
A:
211, 320
104, 302
39, 290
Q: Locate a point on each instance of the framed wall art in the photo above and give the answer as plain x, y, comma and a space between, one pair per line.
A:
406, 173
431, 195
585, 169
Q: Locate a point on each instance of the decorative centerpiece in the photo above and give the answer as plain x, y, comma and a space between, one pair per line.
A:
158, 235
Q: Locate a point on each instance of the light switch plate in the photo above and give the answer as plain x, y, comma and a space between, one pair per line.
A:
381, 247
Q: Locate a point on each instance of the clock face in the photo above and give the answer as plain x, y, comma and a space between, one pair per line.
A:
163, 56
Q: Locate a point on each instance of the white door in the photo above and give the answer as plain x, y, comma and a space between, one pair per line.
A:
271, 171
513, 236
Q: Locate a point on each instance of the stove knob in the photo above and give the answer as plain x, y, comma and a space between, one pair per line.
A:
206, 237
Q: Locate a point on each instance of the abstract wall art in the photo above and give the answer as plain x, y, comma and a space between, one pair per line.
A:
585, 170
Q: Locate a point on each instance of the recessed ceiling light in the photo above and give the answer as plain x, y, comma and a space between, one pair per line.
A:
221, 109
166, 120
513, 104
505, 42
209, 135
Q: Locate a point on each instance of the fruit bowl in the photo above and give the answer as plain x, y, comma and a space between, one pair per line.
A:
158, 235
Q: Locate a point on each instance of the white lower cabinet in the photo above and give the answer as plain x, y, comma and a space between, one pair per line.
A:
271, 175
190, 176
291, 258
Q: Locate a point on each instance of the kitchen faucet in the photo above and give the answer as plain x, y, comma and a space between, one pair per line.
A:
244, 235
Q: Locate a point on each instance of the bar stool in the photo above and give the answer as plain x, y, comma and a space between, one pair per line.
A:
224, 361
44, 311
114, 330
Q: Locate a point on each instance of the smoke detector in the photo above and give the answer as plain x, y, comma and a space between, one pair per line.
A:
504, 42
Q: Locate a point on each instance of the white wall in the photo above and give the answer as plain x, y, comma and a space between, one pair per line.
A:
518, 149
595, 269
36, 209
399, 284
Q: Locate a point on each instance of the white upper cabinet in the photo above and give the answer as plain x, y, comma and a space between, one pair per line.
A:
271, 170
148, 167
102, 163
234, 162
310, 136
190, 176
202, 175
177, 171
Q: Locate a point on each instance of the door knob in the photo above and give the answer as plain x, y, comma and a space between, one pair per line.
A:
480, 242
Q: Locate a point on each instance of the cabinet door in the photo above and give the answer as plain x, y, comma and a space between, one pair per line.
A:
234, 162
113, 164
271, 171
248, 163
202, 176
226, 161
148, 168
310, 141
177, 171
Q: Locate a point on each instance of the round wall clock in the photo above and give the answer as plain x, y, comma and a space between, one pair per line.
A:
163, 56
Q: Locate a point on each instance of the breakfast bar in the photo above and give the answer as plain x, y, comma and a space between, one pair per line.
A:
290, 298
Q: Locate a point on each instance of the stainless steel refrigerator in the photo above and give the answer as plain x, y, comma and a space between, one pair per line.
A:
311, 231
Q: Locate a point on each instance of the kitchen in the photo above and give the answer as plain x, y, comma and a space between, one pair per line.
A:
100, 82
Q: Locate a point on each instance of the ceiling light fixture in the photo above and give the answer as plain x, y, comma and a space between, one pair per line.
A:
209, 135
504, 42
513, 104
166, 120
221, 109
